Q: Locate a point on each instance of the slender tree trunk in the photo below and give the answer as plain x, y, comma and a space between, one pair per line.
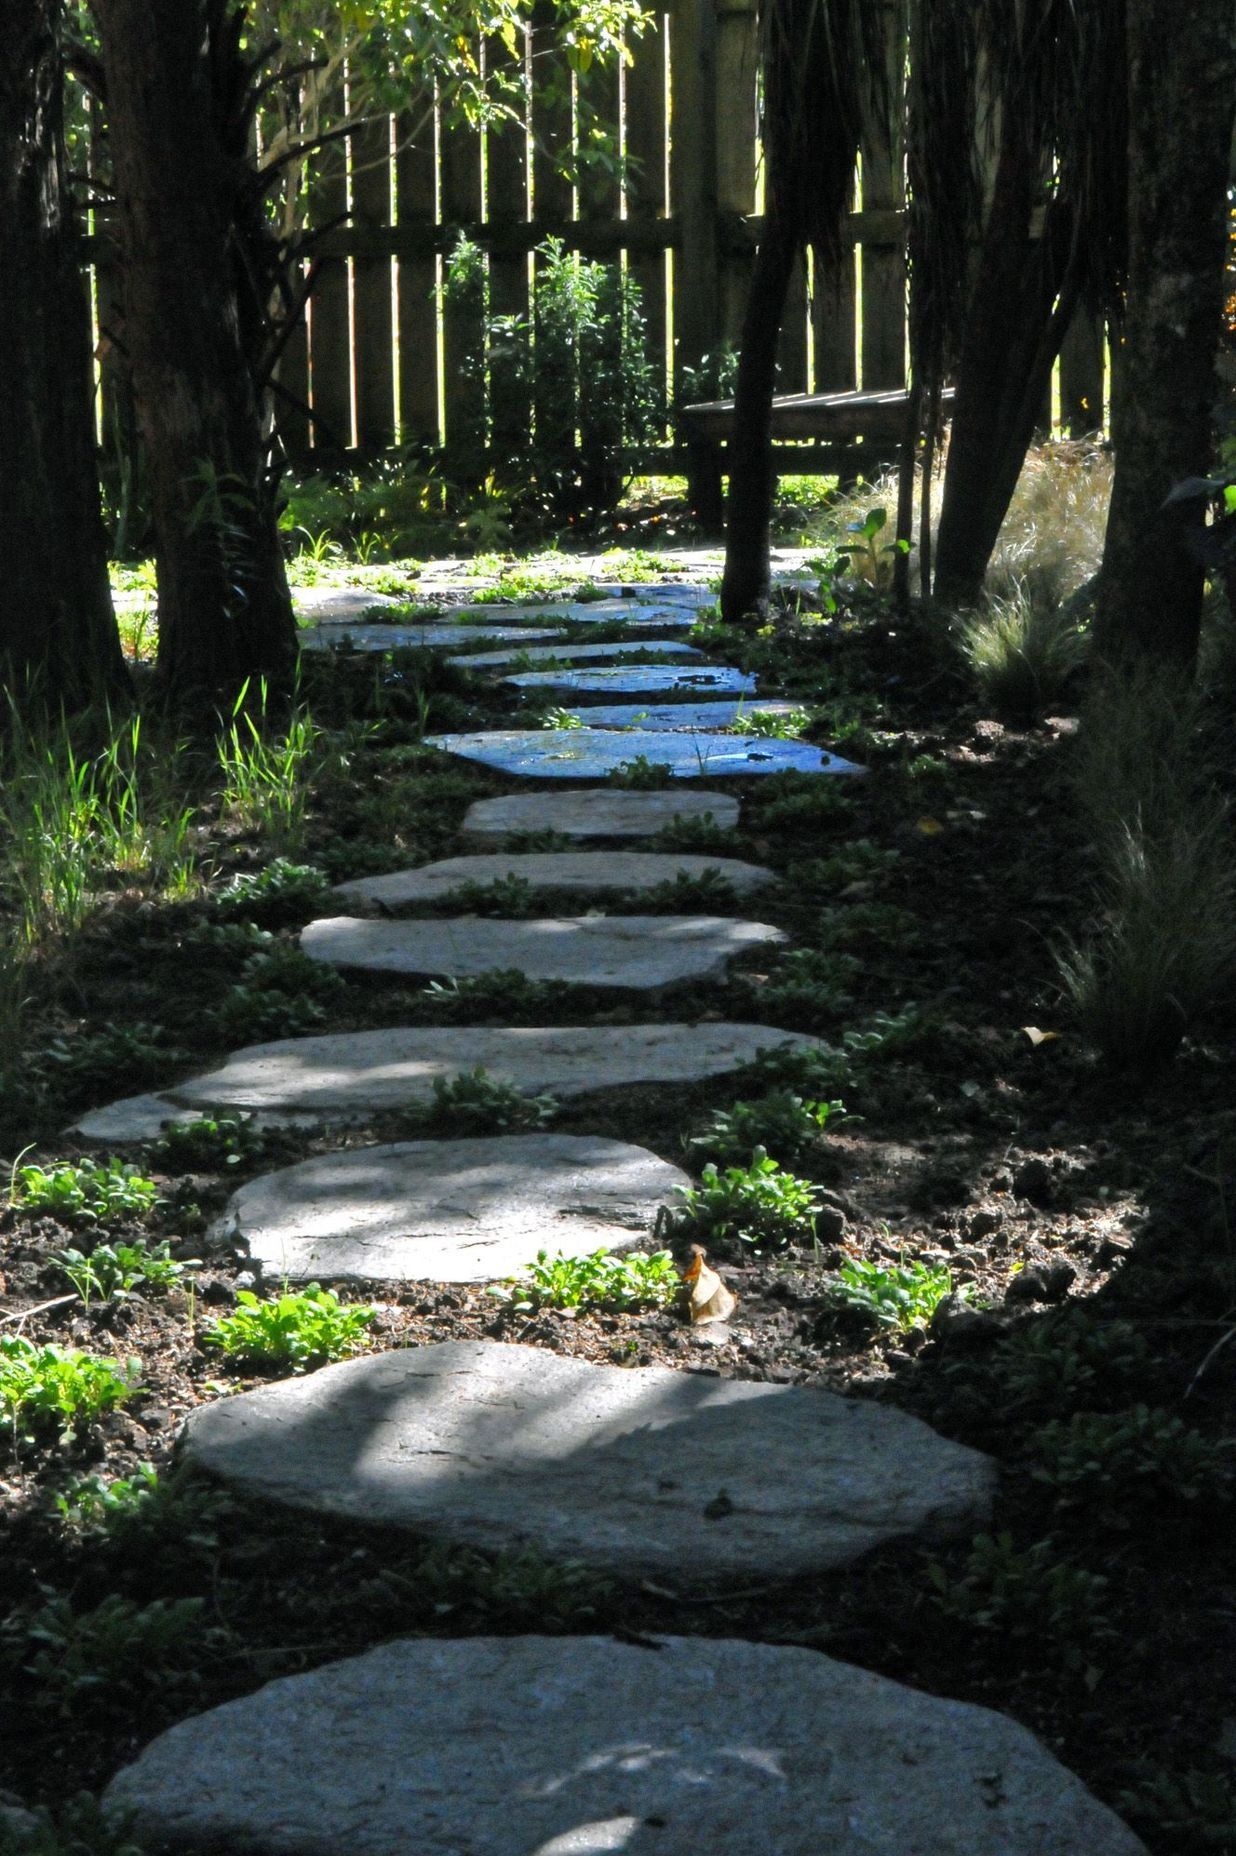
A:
224, 610
58, 641
1023, 300
747, 581
1182, 90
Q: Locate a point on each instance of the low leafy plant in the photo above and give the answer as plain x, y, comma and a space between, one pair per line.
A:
145, 1519
281, 893
45, 1388
504, 995
684, 894
1052, 1608
863, 925
209, 1143
601, 1280
641, 774
79, 1828
807, 989
95, 1503
868, 557
759, 1203
111, 1058
110, 1272
117, 1651
228, 941
773, 724
888, 1295
562, 718
518, 841
512, 896
476, 1103
795, 803
1136, 1460
860, 861
300, 1329
1195, 1808
702, 835
95, 1190
1023, 653
279, 993
781, 1122
1067, 1359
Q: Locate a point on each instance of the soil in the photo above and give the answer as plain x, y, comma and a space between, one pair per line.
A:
1083, 1217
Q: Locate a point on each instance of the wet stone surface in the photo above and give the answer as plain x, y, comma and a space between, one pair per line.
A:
591, 753
599, 812
637, 679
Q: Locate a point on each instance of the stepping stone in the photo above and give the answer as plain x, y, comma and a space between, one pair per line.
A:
449, 1211
638, 953
599, 812
578, 653
351, 1074
590, 871
573, 1746
487, 1445
680, 717
655, 615
591, 753
637, 679
409, 637
337, 605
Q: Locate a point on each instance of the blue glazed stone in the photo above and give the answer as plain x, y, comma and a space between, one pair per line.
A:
639, 679
576, 653
410, 637
591, 753
677, 717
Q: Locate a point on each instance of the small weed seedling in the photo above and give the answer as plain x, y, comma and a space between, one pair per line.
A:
601, 1280
49, 1388
642, 775
278, 994
1128, 1462
889, 1296
758, 1203
81, 1660
110, 1272
1051, 1607
684, 894
780, 1122
275, 897
510, 896
701, 835
299, 1329
476, 1103
209, 1144
503, 995
111, 1058
98, 1192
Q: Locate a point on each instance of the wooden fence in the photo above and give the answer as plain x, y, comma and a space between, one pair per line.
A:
379, 360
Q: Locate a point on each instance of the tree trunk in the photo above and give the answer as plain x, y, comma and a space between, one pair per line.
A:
1023, 300
747, 581
1182, 89
224, 610
58, 641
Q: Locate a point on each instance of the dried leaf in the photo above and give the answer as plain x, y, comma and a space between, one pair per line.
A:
1038, 1037
702, 1294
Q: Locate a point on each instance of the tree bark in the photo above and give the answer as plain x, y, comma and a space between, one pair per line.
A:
58, 640
1024, 296
746, 584
225, 614
1182, 90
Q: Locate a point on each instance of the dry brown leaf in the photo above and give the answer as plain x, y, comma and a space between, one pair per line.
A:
1038, 1037
702, 1294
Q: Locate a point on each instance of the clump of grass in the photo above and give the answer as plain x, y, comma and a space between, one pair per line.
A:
266, 768
1163, 945
1057, 518
1023, 650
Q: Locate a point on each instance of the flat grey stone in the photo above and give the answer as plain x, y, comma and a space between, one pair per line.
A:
653, 615
579, 653
449, 1211
639, 679
590, 753
133, 1118
600, 812
590, 871
574, 1746
408, 637
337, 605
637, 953
355, 1073
678, 717
491, 1446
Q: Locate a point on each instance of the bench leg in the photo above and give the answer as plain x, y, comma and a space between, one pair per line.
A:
704, 485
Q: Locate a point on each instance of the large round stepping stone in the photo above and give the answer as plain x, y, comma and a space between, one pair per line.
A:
601, 812
653, 615
449, 1211
591, 753
353, 1074
337, 605
578, 653
638, 679
679, 717
638, 953
623, 1468
592, 872
408, 637
574, 1746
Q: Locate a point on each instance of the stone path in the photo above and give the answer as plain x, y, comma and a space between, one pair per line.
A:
534, 1746
640, 953
448, 1211
544, 1746
672, 717
346, 637
591, 872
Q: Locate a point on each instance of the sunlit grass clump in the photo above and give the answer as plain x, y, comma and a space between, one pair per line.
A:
1024, 652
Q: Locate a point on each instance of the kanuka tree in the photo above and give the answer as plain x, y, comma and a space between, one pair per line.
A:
1182, 94
174, 79
58, 640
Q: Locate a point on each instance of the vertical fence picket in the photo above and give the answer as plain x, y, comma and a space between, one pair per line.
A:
416, 214
792, 347
693, 180
463, 331
883, 244
1081, 376
371, 286
330, 333
646, 199
834, 324
550, 122
736, 158
506, 217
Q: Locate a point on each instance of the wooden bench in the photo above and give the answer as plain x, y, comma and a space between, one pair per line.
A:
854, 434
